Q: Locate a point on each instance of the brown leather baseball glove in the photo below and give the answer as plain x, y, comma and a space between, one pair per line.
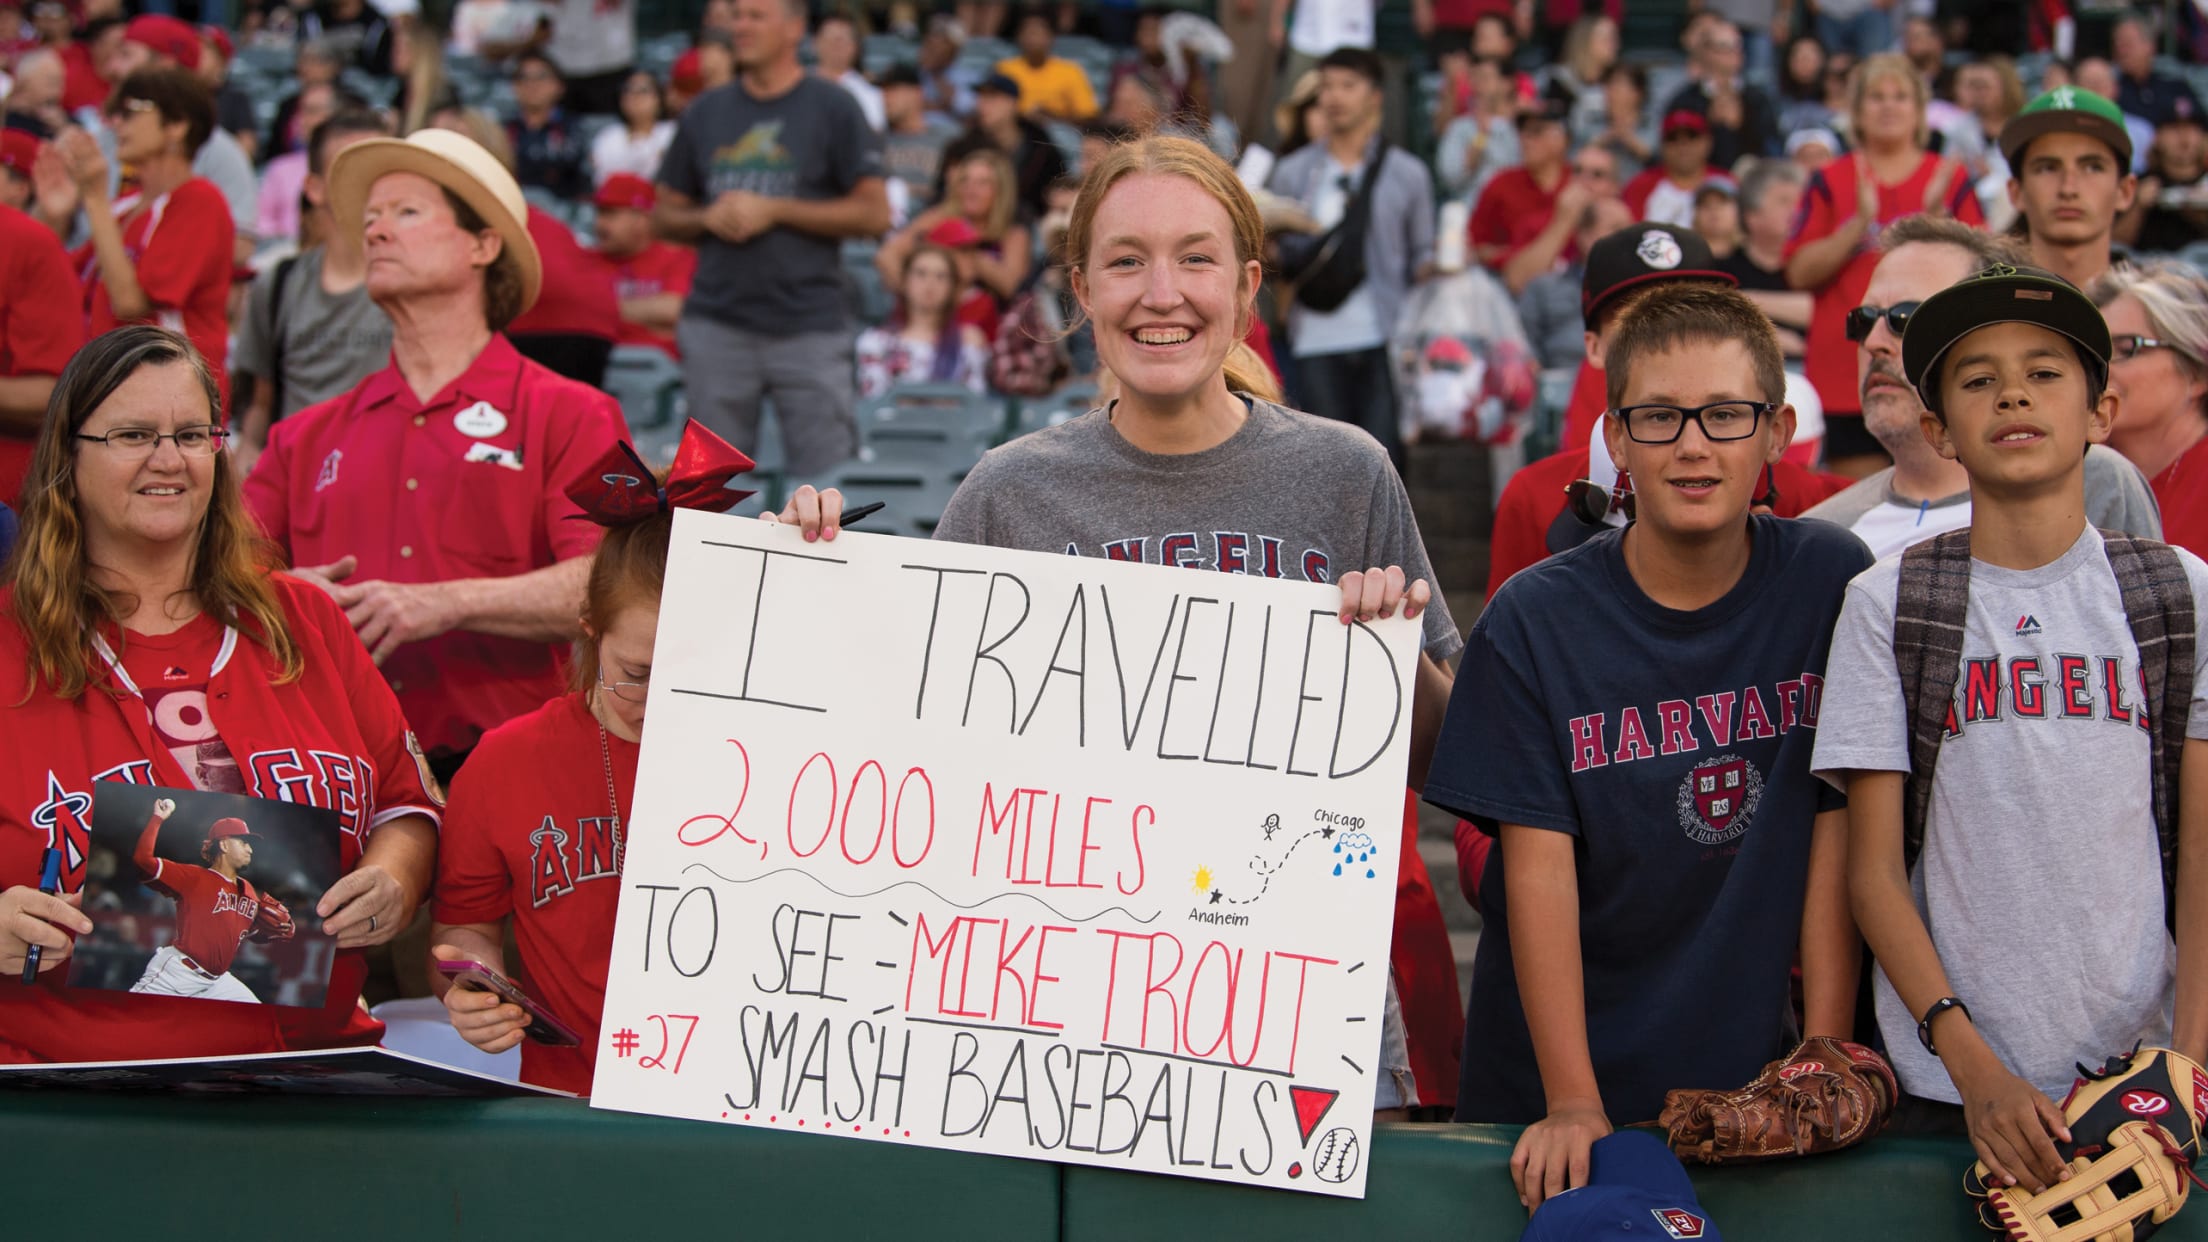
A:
1825, 1095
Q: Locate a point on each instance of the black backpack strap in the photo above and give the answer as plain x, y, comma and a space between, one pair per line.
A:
1930, 606
2158, 605
276, 337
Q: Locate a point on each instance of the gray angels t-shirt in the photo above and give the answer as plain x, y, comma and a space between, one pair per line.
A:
810, 143
331, 341
1289, 495
2040, 858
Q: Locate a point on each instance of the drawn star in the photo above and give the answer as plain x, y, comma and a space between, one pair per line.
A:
1326, 833
1201, 880
1215, 896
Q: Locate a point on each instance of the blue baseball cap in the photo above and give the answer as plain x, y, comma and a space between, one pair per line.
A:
1635, 1189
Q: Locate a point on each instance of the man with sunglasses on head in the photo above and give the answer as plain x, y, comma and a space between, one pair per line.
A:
1923, 493
1633, 722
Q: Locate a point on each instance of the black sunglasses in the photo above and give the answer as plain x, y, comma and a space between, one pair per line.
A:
1863, 318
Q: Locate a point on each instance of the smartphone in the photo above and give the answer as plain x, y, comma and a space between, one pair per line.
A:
543, 1027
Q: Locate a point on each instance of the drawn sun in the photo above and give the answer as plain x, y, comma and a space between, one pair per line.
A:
1201, 881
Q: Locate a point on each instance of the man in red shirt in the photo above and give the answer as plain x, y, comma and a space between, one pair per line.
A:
432, 499
1526, 216
41, 327
650, 277
1663, 192
216, 909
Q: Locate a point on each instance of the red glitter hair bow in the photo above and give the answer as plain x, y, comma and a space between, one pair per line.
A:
618, 488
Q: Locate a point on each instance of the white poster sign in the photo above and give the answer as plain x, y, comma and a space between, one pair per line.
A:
1042, 856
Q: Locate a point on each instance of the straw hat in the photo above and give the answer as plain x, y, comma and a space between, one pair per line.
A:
455, 162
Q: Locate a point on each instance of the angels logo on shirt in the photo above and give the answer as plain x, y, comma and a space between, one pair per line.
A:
328, 473
66, 816
1679, 1222
1718, 799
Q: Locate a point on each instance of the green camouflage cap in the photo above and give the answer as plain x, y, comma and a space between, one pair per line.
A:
2068, 109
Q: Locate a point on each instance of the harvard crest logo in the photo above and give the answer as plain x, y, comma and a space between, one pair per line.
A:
1718, 799
1679, 1222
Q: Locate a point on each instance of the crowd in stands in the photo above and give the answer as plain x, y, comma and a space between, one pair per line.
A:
533, 231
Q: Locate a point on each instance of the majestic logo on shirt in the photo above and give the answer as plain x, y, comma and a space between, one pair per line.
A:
328, 474
1679, 1222
2027, 625
1718, 799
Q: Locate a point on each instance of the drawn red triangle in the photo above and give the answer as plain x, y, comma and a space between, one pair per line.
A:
1312, 1105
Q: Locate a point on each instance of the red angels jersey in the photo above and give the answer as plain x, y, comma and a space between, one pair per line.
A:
181, 245
41, 325
170, 671
212, 914
332, 738
529, 834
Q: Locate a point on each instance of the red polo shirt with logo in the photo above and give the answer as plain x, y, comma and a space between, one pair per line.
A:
41, 326
471, 483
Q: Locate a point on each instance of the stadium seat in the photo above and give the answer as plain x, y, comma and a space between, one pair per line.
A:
913, 496
2195, 255
646, 382
952, 409
1070, 401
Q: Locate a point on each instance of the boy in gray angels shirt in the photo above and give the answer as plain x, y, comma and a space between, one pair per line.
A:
2047, 777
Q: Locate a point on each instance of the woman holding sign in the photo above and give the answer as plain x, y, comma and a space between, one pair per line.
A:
534, 830
1186, 467
145, 639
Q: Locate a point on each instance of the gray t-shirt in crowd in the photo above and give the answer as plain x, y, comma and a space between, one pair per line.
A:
331, 341
2040, 857
1289, 495
809, 143
2116, 498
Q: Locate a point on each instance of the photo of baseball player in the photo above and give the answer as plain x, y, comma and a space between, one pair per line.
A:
192, 894
217, 909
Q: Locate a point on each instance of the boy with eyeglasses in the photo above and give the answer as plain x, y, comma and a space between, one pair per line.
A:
2059, 749
1633, 721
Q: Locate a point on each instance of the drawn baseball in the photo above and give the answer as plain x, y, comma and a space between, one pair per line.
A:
1335, 1158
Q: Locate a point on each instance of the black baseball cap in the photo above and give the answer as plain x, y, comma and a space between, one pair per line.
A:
2002, 293
1641, 254
1543, 107
1001, 83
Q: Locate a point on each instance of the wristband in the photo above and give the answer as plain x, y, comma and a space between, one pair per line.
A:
1940, 1006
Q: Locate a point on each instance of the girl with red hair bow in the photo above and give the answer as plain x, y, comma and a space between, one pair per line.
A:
534, 826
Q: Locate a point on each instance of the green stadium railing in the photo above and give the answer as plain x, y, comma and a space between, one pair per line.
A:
87, 1166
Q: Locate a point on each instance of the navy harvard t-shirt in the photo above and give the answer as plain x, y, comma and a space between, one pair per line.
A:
1675, 747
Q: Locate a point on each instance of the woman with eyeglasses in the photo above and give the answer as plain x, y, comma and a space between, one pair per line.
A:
146, 637
2158, 318
535, 829
160, 254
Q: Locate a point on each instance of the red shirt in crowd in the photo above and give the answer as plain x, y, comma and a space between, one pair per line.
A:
332, 738
661, 267
576, 298
82, 86
529, 833
1590, 398
1828, 203
471, 483
180, 245
1513, 210
2182, 491
41, 326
